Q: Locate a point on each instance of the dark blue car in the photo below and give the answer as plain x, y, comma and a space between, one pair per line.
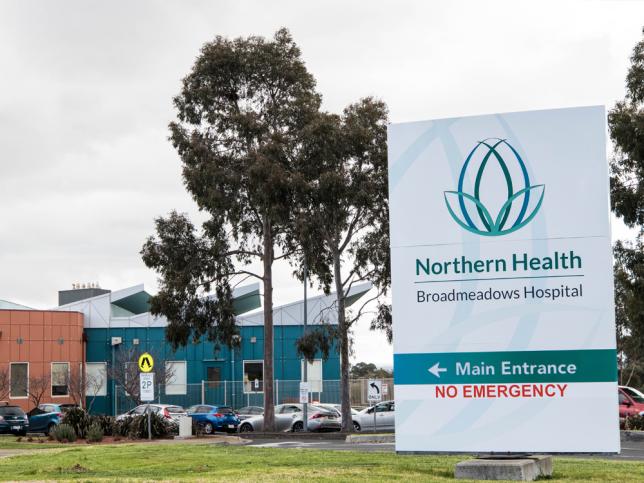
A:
44, 418
214, 418
13, 420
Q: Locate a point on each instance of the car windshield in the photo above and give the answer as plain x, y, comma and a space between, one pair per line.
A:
635, 396
175, 409
224, 410
11, 411
192, 409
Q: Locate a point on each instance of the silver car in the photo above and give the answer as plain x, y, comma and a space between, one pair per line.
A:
288, 417
249, 411
338, 408
383, 420
170, 412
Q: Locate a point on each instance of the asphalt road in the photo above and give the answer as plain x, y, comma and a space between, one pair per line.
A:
631, 450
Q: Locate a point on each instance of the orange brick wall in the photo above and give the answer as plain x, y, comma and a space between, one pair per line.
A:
47, 336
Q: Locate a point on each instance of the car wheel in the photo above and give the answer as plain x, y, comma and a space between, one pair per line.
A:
207, 428
50, 428
298, 427
246, 428
356, 426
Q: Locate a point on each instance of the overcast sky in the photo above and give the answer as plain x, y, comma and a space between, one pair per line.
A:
86, 90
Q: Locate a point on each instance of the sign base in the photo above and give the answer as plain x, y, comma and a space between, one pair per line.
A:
522, 468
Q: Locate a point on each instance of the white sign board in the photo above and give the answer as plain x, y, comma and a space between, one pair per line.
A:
374, 390
304, 392
502, 284
146, 382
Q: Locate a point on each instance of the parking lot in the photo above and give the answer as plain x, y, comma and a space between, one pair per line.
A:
631, 450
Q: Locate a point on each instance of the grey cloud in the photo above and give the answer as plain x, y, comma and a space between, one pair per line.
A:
86, 95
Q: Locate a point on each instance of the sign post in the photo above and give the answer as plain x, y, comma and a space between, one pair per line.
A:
304, 392
502, 284
146, 385
374, 396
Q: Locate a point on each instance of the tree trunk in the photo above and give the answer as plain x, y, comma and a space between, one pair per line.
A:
345, 395
269, 404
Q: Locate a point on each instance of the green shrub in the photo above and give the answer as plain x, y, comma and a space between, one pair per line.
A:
106, 423
137, 427
122, 427
64, 433
634, 423
95, 433
78, 419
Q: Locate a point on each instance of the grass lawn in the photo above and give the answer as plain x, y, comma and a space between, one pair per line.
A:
9, 442
208, 462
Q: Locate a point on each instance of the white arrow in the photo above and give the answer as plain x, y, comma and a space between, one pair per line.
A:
436, 370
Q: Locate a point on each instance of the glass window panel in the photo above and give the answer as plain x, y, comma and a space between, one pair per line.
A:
59, 378
177, 382
96, 379
19, 379
253, 376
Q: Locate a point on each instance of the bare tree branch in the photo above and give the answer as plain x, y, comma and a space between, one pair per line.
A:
37, 388
125, 372
75, 385
360, 313
5, 383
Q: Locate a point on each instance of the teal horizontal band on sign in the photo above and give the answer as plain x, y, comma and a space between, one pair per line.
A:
591, 365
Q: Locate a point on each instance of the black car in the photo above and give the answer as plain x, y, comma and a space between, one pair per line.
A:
13, 420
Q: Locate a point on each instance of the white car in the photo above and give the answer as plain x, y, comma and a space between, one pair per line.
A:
384, 417
289, 417
170, 412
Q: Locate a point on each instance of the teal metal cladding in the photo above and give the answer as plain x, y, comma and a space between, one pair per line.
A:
199, 357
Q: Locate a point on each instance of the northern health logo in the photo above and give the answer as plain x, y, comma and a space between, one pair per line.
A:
495, 196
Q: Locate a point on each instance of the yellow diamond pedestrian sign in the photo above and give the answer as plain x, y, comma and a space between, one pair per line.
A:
146, 362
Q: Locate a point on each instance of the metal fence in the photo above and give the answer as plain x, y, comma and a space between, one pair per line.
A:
239, 394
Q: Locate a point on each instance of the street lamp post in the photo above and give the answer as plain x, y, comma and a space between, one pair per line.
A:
306, 363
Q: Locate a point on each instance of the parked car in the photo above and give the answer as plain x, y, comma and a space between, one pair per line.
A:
323, 419
44, 418
631, 402
13, 420
289, 417
249, 411
384, 417
214, 418
170, 412
337, 408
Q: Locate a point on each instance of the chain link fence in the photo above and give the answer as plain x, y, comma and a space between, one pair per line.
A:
239, 394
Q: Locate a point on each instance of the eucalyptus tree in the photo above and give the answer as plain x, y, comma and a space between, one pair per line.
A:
343, 225
626, 126
242, 114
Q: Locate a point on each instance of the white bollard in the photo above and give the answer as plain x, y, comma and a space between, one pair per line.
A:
185, 426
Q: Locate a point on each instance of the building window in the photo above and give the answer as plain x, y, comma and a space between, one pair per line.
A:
19, 380
177, 377
59, 378
313, 374
253, 376
96, 379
